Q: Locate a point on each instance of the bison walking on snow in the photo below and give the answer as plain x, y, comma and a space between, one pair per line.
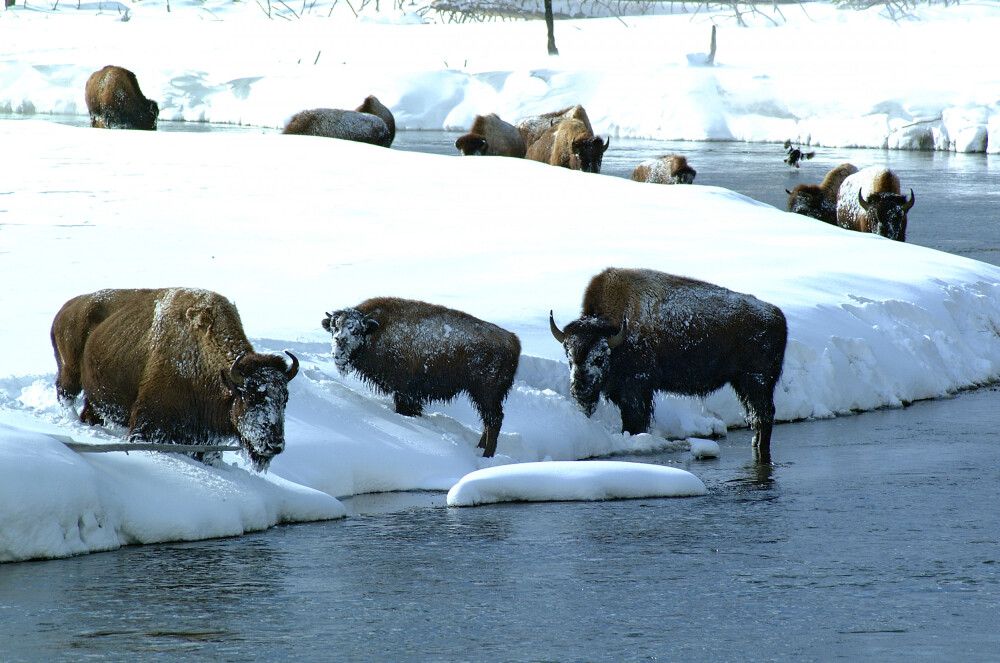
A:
173, 365
371, 122
421, 352
115, 101
870, 201
643, 331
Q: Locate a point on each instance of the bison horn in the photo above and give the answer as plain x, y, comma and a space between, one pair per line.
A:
862, 201
559, 334
909, 203
788, 192
616, 340
236, 378
293, 370
607, 144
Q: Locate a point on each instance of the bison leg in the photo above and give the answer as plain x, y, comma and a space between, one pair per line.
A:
89, 416
757, 396
492, 420
407, 405
637, 412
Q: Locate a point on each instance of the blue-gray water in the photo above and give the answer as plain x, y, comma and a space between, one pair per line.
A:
875, 537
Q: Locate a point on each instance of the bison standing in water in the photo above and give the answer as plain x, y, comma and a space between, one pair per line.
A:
116, 102
531, 128
869, 201
669, 169
174, 366
371, 122
421, 352
491, 136
569, 144
819, 201
643, 331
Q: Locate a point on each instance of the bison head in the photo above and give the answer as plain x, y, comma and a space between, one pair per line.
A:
589, 152
887, 213
588, 343
258, 385
349, 327
152, 113
684, 175
472, 144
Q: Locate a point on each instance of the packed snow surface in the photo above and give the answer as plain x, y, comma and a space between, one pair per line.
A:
570, 480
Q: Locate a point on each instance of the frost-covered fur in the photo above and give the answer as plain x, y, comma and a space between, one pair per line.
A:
173, 365
569, 144
870, 201
642, 331
669, 169
491, 136
819, 201
370, 123
421, 352
115, 101
531, 128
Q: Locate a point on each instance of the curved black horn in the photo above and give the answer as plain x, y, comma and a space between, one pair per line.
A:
607, 144
786, 191
292, 370
909, 203
616, 340
862, 201
235, 376
556, 332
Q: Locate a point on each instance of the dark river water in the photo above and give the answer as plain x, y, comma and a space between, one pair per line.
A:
875, 536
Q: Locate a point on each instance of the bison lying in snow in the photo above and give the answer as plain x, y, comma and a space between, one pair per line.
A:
371, 122
669, 169
173, 365
421, 352
819, 201
643, 331
491, 136
116, 102
569, 144
531, 128
869, 201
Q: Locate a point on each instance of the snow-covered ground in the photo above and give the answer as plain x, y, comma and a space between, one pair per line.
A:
289, 227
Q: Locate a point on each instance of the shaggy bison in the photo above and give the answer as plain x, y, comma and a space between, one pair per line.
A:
371, 122
421, 352
491, 136
569, 144
173, 365
531, 128
819, 201
669, 169
643, 331
869, 201
116, 102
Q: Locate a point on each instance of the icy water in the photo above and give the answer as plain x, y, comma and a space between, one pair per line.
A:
874, 537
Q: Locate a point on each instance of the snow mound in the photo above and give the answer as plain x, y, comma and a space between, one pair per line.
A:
702, 448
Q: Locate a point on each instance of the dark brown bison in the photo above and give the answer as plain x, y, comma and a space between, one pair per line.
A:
421, 352
669, 169
819, 201
571, 145
116, 102
869, 201
371, 122
491, 136
531, 128
643, 331
173, 365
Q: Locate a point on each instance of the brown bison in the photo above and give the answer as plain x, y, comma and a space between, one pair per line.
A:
421, 352
643, 331
571, 145
116, 102
173, 365
870, 201
491, 136
819, 201
371, 122
669, 169
531, 128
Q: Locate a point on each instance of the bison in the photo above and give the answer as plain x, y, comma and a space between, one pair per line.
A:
371, 122
172, 365
531, 128
491, 136
421, 352
669, 169
116, 102
643, 331
569, 144
870, 201
819, 201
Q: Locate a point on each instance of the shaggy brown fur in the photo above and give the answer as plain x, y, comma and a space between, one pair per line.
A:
116, 102
173, 365
491, 136
532, 128
870, 201
371, 123
819, 201
669, 169
569, 144
643, 331
421, 352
